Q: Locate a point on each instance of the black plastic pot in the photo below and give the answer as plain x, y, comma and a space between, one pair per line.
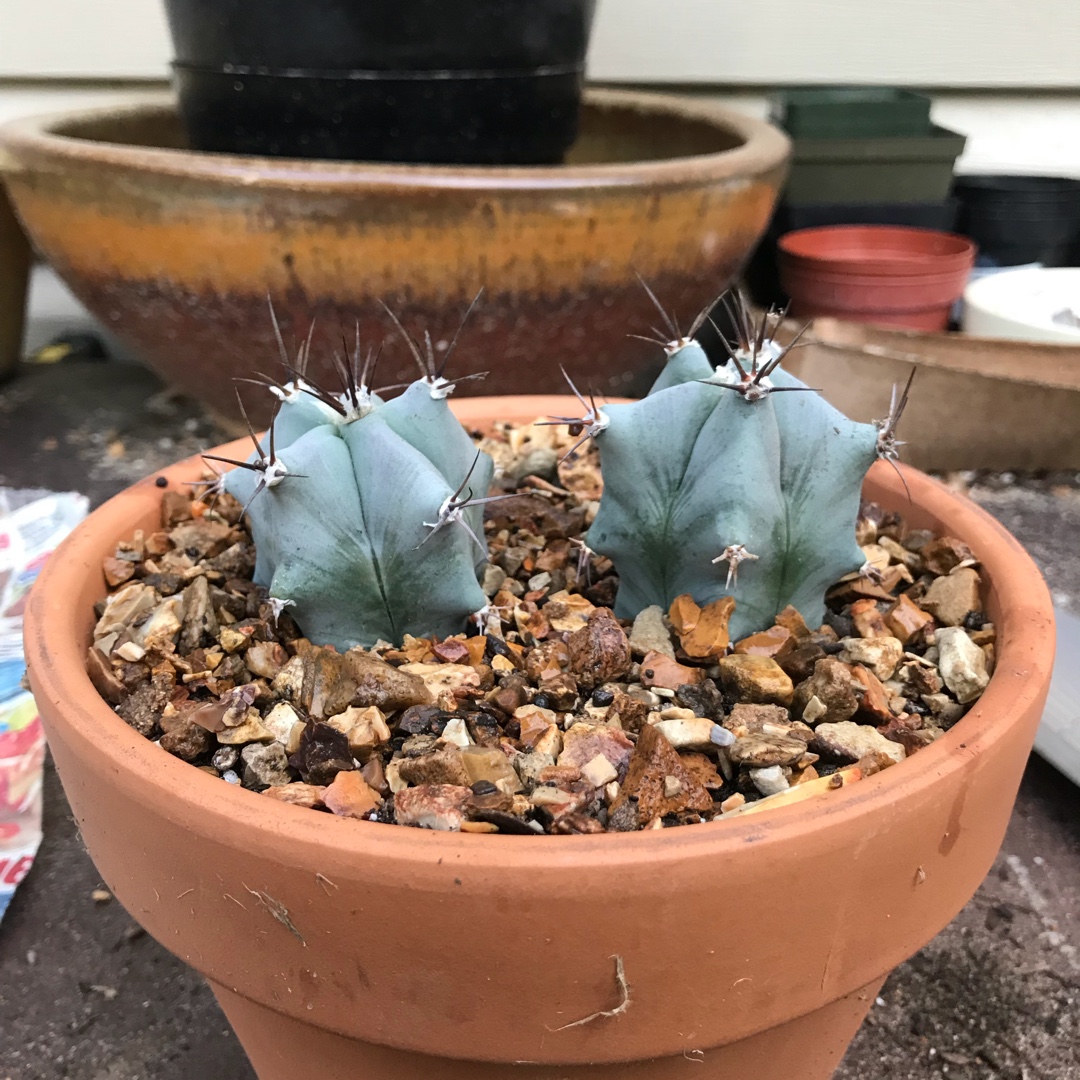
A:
1020, 219
484, 82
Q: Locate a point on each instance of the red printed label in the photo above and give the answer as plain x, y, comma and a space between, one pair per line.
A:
12, 871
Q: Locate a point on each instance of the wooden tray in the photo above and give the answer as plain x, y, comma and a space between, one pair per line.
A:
976, 403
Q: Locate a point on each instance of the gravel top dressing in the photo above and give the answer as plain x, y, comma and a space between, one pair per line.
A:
547, 714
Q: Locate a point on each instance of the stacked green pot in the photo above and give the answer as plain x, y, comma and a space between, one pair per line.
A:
865, 145
860, 156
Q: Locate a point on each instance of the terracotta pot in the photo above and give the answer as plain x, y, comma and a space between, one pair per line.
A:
338, 948
875, 273
176, 251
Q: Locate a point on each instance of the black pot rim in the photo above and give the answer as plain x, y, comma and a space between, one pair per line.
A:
979, 185
369, 75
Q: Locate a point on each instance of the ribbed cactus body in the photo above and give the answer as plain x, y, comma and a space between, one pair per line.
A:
344, 529
694, 469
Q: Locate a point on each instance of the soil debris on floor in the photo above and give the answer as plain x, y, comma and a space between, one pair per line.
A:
548, 715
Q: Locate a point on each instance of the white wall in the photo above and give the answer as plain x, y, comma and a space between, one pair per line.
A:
951, 43
1013, 133
1007, 72
1007, 132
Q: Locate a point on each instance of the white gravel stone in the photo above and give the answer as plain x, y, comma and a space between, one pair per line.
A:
687, 733
880, 654
164, 624
131, 651
393, 777
815, 709
962, 663
770, 781
279, 721
853, 741
456, 732
649, 634
599, 771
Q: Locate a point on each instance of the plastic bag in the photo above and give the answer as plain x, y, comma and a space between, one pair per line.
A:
32, 523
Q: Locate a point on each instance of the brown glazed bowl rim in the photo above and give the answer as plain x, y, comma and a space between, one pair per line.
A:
57, 633
32, 141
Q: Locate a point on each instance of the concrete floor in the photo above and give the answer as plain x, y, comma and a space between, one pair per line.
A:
86, 996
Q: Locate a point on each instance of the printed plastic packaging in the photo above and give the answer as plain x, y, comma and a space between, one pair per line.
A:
32, 523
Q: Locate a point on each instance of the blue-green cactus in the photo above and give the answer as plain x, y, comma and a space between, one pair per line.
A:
367, 514
741, 466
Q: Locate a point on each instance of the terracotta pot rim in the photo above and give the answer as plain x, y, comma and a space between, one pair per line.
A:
55, 656
765, 148
906, 250
857, 275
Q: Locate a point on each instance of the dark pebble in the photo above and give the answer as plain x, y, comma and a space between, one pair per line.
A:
161, 482
507, 823
496, 647
624, 818
385, 813
484, 728
166, 584
422, 720
225, 758
975, 620
799, 663
323, 753
703, 698
484, 787
602, 594
945, 725
600, 698
543, 701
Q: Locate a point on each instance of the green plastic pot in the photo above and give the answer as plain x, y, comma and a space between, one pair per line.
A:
852, 112
883, 170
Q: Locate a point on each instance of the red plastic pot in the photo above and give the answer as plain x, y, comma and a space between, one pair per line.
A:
875, 274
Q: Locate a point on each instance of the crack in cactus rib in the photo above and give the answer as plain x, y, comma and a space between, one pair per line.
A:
670, 515
373, 555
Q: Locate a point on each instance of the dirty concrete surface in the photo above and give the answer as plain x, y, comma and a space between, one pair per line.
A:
85, 995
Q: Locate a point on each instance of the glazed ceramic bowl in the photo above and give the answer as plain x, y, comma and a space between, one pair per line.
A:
178, 251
